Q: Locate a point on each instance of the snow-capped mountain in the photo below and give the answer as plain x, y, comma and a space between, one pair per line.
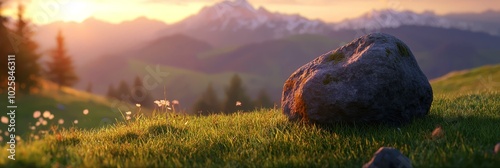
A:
393, 19
239, 19
241, 15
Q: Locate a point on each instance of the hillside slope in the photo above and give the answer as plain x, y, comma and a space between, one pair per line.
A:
266, 139
67, 104
486, 78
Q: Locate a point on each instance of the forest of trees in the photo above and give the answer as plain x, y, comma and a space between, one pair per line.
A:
236, 100
208, 103
137, 94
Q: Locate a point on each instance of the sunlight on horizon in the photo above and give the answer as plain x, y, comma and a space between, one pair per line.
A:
77, 11
113, 11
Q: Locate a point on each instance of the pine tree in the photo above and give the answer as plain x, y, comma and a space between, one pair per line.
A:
141, 95
111, 92
208, 103
27, 66
89, 87
61, 70
123, 91
236, 93
263, 100
5, 50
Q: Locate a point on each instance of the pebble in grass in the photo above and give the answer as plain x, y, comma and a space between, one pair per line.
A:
388, 157
437, 133
497, 148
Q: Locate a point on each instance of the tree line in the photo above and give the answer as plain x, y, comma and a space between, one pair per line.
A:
208, 103
135, 93
236, 100
29, 70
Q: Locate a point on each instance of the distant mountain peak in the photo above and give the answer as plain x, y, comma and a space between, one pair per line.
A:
390, 18
241, 16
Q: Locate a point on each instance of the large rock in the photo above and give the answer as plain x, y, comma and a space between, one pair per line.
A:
387, 157
374, 79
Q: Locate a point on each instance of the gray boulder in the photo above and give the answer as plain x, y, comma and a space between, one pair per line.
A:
387, 157
374, 79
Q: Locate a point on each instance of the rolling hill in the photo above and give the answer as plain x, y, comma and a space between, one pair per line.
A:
67, 104
482, 79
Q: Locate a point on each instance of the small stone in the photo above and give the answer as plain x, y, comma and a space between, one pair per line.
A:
387, 157
437, 133
497, 148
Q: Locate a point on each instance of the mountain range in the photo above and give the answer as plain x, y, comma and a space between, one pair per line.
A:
487, 22
263, 47
238, 22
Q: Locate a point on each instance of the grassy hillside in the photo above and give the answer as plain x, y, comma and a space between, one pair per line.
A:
266, 138
67, 104
466, 107
486, 78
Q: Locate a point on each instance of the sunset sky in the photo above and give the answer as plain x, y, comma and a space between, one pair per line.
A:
170, 11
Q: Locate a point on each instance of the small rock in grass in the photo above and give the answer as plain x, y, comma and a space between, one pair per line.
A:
387, 157
497, 148
437, 133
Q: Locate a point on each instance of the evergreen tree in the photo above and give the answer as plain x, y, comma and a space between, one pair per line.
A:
263, 100
123, 91
89, 87
208, 103
5, 49
27, 66
111, 92
141, 95
236, 94
61, 70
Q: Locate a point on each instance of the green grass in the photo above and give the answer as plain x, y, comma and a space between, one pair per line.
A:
486, 78
466, 105
67, 104
266, 139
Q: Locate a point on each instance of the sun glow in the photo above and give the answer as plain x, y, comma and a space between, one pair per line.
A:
76, 11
